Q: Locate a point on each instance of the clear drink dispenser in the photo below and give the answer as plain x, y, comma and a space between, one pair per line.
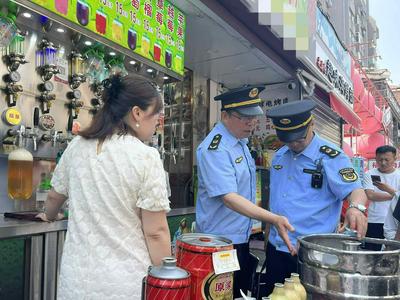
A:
17, 46
8, 30
20, 171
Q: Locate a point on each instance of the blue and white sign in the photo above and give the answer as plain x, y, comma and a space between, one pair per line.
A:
328, 35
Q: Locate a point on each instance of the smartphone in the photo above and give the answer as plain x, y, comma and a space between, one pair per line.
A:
376, 178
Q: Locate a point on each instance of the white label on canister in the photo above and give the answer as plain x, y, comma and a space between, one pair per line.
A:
225, 261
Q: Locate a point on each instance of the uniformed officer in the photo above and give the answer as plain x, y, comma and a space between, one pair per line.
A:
227, 181
309, 179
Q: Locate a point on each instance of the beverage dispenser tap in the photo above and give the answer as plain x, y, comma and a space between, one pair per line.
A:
96, 102
13, 91
15, 55
34, 133
13, 58
174, 151
77, 70
46, 97
70, 124
18, 133
58, 138
53, 137
48, 137
160, 146
12, 88
46, 60
75, 104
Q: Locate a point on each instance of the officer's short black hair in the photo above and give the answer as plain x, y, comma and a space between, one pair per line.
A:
385, 149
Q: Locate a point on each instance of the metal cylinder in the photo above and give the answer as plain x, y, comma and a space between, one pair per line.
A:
194, 254
167, 282
334, 266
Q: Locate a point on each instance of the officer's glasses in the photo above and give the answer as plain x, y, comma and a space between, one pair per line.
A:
244, 119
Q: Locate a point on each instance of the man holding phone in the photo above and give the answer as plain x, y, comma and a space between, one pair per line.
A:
381, 185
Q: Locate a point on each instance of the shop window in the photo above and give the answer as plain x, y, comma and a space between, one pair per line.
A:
178, 140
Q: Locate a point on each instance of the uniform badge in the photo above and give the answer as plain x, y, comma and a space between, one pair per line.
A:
332, 153
348, 175
253, 93
215, 142
239, 159
285, 121
277, 167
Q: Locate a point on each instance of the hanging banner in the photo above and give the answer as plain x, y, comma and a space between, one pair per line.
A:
154, 29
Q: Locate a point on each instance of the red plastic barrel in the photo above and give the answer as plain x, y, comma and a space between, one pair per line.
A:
194, 254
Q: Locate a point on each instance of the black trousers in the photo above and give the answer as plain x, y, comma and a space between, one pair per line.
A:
241, 278
375, 230
279, 266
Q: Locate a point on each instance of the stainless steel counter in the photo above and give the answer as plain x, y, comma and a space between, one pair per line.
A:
181, 211
11, 228
43, 248
42, 251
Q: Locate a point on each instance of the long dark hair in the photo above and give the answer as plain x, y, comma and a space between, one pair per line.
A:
119, 96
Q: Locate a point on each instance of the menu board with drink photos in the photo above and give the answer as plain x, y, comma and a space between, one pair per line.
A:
154, 29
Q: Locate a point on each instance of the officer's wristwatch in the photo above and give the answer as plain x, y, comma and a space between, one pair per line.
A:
360, 207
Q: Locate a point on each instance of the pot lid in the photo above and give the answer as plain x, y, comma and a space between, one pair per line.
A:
204, 240
168, 270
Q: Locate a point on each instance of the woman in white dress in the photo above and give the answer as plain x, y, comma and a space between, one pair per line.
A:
117, 196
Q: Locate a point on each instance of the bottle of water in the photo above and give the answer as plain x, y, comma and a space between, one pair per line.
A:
42, 191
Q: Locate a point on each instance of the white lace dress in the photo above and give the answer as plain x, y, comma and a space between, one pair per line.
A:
105, 254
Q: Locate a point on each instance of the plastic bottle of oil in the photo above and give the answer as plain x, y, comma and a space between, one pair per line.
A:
290, 292
278, 293
298, 286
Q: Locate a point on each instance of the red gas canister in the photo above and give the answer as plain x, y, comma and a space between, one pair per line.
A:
194, 254
167, 282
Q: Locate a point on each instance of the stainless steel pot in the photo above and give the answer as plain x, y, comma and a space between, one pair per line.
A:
334, 266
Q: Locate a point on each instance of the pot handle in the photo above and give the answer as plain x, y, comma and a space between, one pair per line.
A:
323, 258
144, 288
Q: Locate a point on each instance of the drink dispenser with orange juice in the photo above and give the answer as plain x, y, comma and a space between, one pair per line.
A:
20, 169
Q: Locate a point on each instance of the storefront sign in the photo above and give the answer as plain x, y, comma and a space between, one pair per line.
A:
338, 81
327, 59
154, 29
328, 35
331, 70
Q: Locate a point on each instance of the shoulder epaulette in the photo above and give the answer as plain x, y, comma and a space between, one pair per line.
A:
215, 142
332, 153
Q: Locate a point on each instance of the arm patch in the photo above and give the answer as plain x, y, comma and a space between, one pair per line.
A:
348, 174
